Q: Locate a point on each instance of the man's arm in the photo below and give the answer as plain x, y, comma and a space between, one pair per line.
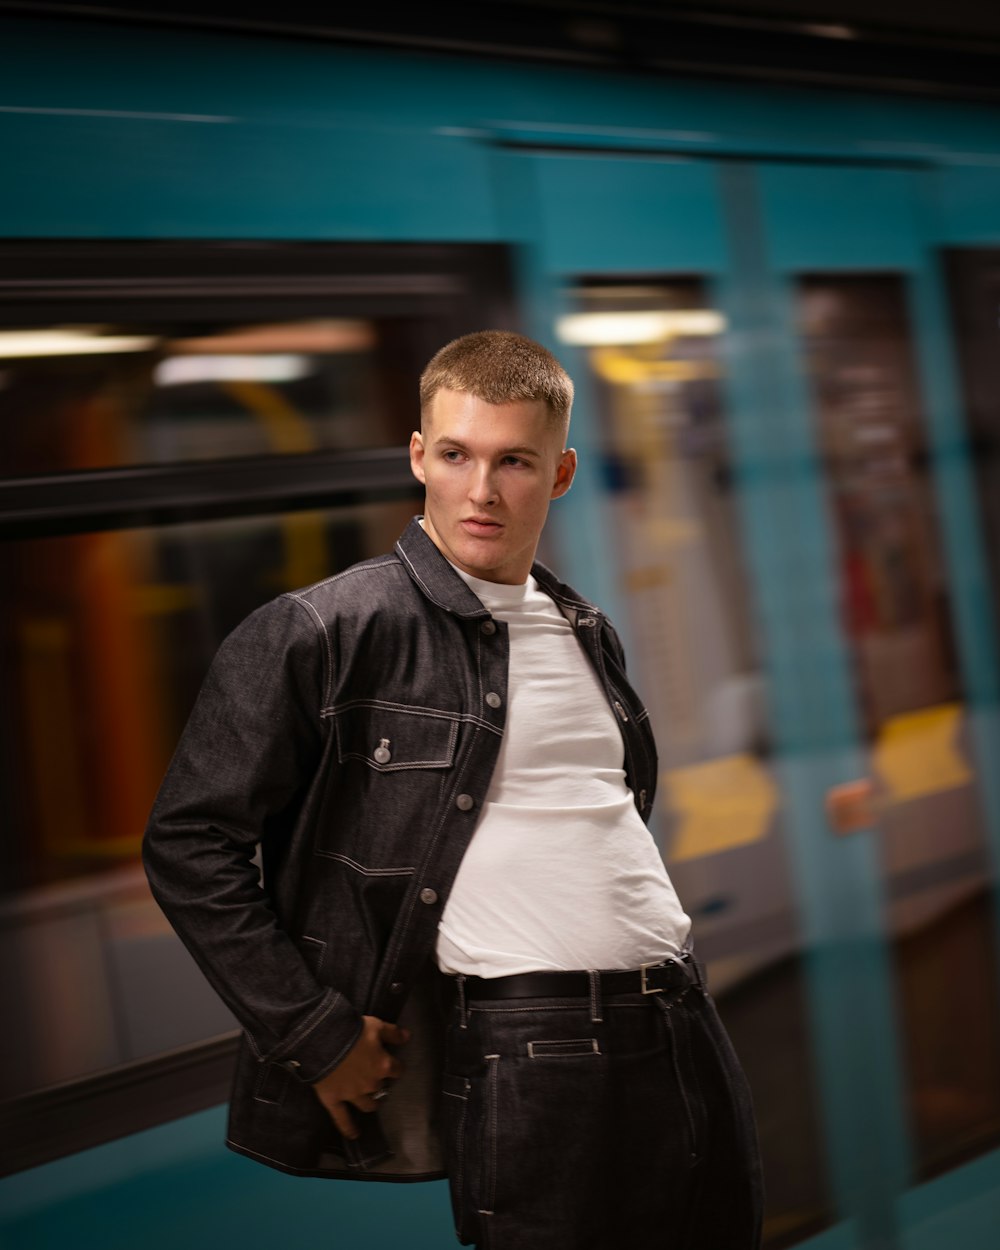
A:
250, 749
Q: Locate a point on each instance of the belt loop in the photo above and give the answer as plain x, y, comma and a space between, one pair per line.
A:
462, 1011
596, 1006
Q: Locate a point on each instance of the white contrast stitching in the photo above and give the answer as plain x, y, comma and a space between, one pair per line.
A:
589, 1042
368, 872
308, 1025
490, 1188
366, 567
405, 709
395, 768
326, 644
595, 996
460, 718
420, 581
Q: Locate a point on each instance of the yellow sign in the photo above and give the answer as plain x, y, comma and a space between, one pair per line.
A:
721, 803
917, 754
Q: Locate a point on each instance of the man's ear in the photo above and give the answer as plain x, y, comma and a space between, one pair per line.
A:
417, 456
564, 473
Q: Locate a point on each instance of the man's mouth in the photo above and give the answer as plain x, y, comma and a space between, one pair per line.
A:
481, 525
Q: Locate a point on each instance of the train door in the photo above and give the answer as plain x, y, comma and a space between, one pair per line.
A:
857, 284
776, 503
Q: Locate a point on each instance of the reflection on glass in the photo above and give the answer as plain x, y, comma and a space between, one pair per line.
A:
894, 597
105, 641
666, 473
896, 616
653, 352
94, 396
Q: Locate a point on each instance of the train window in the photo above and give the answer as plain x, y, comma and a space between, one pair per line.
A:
654, 353
106, 639
896, 618
94, 396
186, 431
871, 440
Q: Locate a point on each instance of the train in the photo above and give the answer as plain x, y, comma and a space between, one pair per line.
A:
225, 255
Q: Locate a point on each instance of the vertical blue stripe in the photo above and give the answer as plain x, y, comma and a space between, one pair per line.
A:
793, 561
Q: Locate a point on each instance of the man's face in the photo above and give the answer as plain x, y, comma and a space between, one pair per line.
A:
490, 471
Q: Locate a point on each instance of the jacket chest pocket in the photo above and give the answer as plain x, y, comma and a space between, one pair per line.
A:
389, 737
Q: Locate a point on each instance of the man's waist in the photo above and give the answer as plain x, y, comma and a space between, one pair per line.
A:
660, 977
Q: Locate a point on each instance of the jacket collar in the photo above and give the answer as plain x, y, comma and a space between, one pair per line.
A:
434, 575
442, 585
564, 595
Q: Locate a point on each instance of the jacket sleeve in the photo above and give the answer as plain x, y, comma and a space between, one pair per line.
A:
239, 775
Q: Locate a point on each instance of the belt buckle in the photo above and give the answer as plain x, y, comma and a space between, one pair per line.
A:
644, 981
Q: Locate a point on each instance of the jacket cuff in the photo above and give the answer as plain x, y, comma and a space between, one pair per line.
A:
322, 1042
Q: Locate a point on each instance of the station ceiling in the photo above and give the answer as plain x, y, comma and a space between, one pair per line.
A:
887, 45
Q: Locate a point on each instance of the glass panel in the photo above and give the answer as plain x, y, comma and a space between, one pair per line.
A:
105, 641
894, 605
673, 508
97, 396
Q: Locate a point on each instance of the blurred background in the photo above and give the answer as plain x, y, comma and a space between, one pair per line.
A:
765, 240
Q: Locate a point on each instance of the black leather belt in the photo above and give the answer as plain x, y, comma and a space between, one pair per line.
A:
660, 978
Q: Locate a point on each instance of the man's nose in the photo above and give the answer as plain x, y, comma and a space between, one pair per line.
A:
484, 490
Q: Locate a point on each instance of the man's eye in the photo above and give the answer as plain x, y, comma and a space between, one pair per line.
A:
452, 456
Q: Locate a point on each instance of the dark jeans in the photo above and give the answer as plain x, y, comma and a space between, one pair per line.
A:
573, 1124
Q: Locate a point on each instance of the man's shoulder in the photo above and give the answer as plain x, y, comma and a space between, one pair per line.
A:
561, 591
367, 586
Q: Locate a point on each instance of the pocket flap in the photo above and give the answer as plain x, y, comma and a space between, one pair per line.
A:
389, 737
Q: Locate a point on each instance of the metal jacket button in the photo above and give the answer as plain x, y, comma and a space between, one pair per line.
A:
493, 699
587, 620
382, 754
428, 896
464, 802
488, 627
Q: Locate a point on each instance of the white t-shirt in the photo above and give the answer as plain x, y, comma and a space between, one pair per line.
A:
561, 871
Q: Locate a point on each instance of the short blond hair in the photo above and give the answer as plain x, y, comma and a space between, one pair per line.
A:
499, 367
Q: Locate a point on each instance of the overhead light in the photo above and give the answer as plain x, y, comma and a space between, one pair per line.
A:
186, 370
21, 344
316, 336
830, 30
608, 329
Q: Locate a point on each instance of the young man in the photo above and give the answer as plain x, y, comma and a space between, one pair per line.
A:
448, 772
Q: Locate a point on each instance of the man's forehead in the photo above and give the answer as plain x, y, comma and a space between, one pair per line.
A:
461, 414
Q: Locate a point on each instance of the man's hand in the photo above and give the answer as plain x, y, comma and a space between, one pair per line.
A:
366, 1068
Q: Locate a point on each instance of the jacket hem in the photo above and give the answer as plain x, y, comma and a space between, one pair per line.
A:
346, 1173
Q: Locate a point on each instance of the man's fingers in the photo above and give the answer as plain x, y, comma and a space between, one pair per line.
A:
393, 1035
365, 1070
343, 1119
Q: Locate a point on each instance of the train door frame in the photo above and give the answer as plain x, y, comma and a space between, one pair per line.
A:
882, 218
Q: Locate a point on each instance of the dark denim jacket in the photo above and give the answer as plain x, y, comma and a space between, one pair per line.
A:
345, 728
